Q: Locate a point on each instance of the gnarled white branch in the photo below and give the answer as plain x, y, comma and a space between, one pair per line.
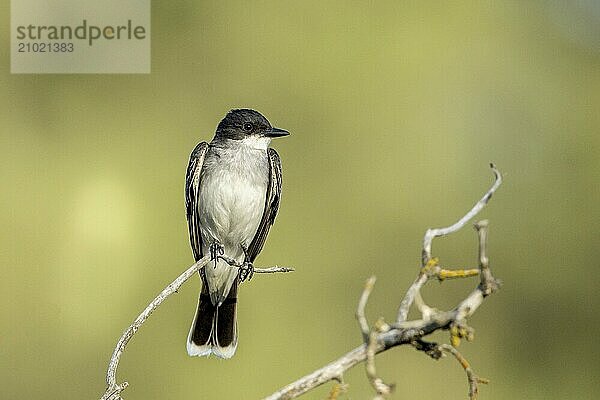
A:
430, 234
384, 336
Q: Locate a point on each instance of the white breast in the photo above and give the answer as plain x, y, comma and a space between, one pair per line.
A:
232, 196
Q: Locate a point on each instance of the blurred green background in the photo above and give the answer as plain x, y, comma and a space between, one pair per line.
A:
395, 109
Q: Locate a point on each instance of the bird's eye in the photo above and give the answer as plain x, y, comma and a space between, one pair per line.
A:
248, 127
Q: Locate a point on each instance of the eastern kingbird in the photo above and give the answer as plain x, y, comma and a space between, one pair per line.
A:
232, 193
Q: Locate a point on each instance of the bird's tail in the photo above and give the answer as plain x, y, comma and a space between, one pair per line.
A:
214, 330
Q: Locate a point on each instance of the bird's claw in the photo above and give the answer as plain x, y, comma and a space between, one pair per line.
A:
246, 271
216, 250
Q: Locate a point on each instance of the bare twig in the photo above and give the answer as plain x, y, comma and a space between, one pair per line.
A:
489, 284
412, 332
360, 311
382, 388
473, 379
370, 338
428, 261
409, 297
113, 390
433, 233
273, 270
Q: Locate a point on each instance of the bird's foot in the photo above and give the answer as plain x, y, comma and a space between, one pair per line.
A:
246, 271
216, 250
246, 268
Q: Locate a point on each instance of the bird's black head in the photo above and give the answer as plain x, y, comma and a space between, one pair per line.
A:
242, 123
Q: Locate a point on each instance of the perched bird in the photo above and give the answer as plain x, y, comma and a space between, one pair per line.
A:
232, 194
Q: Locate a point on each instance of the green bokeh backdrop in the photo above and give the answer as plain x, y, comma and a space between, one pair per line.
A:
395, 109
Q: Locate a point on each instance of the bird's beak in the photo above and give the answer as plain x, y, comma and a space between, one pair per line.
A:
276, 132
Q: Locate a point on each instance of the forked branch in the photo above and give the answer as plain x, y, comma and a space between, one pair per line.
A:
383, 336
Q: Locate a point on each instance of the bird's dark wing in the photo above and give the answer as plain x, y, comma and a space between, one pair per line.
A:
271, 205
192, 185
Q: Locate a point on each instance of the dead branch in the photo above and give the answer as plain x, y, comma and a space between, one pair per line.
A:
473, 379
384, 336
113, 389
